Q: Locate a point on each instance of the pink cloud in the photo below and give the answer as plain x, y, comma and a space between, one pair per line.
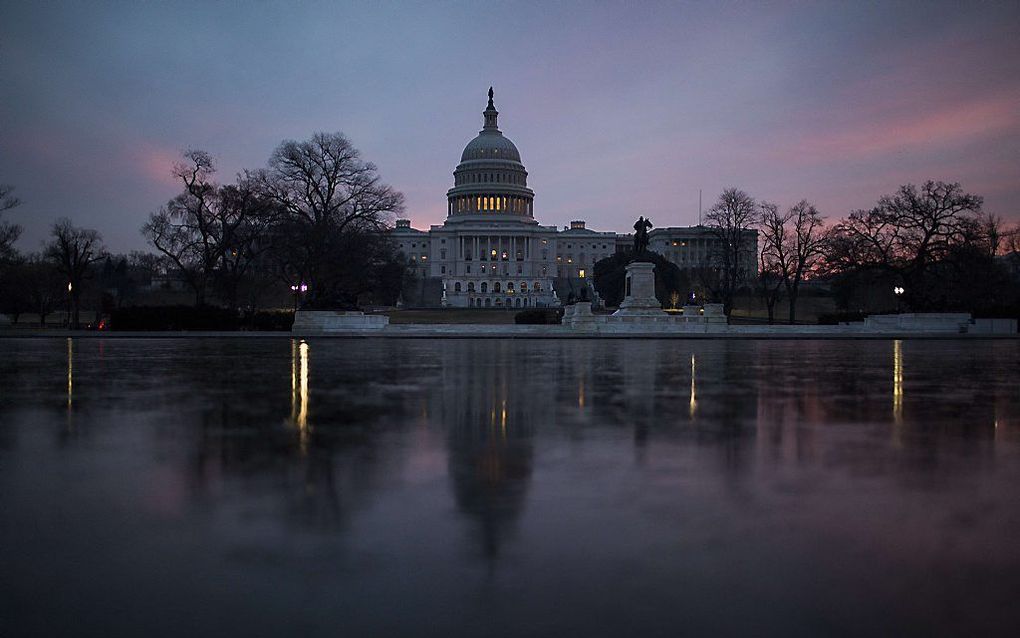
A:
951, 124
153, 163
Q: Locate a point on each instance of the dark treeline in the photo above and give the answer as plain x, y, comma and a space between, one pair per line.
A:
308, 229
934, 243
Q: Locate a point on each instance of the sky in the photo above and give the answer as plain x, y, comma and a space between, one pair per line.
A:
619, 109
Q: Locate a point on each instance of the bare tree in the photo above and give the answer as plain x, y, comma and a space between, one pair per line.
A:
42, 285
773, 259
329, 195
9, 232
186, 230
906, 235
212, 234
794, 242
729, 220
74, 250
1011, 240
248, 236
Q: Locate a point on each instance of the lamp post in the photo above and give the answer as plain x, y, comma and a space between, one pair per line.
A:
298, 289
898, 291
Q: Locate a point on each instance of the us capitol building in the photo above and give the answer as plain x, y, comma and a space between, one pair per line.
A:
491, 252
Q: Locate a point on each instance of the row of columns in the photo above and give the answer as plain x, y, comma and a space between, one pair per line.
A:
473, 247
490, 204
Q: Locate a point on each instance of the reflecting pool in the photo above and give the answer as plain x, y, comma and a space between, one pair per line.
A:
267, 487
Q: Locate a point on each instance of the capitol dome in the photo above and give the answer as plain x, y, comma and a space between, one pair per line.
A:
490, 180
490, 145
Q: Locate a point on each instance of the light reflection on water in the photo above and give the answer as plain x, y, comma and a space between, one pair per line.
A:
514, 487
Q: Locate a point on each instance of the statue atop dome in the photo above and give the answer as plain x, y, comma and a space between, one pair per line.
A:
490, 114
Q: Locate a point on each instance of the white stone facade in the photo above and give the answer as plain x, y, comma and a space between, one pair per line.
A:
492, 253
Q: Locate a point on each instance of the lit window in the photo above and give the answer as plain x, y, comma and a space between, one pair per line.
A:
580, 273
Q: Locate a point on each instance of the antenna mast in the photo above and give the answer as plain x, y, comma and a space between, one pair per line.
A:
699, 207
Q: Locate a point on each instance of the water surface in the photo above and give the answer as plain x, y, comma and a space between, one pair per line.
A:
507, 487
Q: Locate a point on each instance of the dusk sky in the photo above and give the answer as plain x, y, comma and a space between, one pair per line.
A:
619, 109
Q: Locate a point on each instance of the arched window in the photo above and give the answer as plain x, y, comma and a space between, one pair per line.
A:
471, 286
485, 286
456, 287
509, 302
517, 302
509, 286
524, 286
525, 302
488, 302
495, 287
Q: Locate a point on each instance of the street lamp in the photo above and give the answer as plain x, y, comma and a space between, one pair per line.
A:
298, 289
898, 291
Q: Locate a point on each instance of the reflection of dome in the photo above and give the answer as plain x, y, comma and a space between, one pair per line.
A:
490, 180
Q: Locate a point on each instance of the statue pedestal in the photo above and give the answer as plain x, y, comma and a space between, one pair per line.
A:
640, 298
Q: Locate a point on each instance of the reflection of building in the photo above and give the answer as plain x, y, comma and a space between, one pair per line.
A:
490, 413
491, 252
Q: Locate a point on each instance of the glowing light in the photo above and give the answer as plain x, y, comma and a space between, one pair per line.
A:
694, 394
294, 379
70, 372
580, 273
299, 391
898, 381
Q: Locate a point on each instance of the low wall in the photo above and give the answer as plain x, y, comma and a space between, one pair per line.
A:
323, 321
